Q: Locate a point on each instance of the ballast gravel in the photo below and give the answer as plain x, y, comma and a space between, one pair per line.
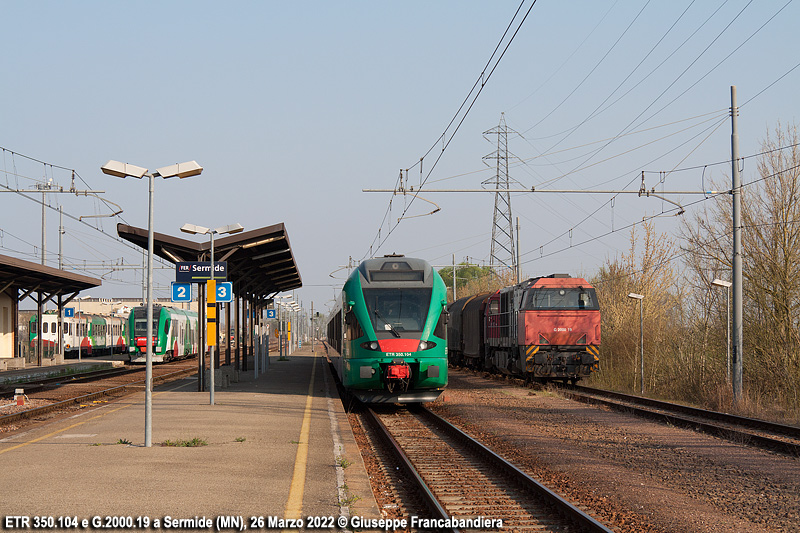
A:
633, 474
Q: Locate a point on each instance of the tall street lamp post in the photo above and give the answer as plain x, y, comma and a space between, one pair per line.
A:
640, 297
200, 230
727, 285
124, 170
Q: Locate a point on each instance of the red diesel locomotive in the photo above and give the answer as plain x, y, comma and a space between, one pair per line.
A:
545, 328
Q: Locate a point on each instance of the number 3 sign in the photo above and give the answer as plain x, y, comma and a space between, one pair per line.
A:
224, 291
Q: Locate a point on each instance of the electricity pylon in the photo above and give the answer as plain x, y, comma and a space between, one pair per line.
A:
502, 252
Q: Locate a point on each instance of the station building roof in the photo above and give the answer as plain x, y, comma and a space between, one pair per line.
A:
32, 277
260, 261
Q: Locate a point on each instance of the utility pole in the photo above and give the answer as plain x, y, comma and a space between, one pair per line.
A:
60, 237
44, 187
502, 250
736, 191
454, 278
519, 263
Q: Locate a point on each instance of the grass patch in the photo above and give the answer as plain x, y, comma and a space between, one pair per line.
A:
240, 439
124, 441
193, 443
350, 500
343, 462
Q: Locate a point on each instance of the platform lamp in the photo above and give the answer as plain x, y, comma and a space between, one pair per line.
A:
640, 297
200, 230
727, 285
124, 170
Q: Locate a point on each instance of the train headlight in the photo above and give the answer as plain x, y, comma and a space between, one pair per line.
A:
425, 345
371, 345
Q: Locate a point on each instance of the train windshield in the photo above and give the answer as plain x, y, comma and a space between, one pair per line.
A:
561, 298
394, 310
140, 326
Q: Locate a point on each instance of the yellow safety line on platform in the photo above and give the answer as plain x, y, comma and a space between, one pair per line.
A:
294, 505
62, 430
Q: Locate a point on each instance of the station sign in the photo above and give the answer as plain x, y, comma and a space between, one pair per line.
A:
181, 292
69, 312
270, 313
224, 292
200, 271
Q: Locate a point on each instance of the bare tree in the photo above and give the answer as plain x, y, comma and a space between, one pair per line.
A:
646, 269
771, 267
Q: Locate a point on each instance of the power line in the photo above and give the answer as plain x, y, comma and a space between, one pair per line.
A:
479, 84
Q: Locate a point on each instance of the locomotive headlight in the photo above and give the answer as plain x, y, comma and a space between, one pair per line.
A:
371, 345
425, 345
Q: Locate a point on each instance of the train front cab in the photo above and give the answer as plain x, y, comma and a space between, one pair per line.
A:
395, 347
559, 329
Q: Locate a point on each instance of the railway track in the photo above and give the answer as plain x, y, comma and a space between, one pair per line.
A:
161, 374
83, 377
750, 431
461, 479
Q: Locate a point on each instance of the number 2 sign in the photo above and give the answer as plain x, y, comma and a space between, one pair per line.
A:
181, 292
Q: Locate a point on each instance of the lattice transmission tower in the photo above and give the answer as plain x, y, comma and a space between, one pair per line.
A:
502, 252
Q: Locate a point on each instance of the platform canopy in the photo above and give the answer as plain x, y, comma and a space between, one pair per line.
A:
50, 282
260, 262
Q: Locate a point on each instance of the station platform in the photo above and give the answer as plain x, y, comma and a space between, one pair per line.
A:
276, 447
70, 367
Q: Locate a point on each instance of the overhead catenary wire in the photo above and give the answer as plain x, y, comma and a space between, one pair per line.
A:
96, 229
691, 204
479, 84
581, 166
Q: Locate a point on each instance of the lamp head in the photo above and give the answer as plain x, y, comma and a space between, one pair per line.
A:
230, 228
194, 230
721, 283
181, 170
636, 296
123, 170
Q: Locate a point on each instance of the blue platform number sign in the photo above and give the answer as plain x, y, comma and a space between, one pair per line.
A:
224, 291
181, 292
270, 313
69, 312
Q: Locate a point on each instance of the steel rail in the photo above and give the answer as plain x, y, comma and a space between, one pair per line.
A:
562, 507
701, 418
66, 379
427, 495
30, 413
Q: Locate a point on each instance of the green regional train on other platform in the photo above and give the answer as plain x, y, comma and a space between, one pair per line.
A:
388, 332
175, 334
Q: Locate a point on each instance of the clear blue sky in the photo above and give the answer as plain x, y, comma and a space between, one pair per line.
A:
294, 108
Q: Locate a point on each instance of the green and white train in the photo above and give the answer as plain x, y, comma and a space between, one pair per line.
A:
175, 334
388, 334
85, 334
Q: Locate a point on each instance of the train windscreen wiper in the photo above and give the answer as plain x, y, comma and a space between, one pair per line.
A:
391, 328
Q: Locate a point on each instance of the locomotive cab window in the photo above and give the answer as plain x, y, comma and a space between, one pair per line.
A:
561, 298
393, 310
